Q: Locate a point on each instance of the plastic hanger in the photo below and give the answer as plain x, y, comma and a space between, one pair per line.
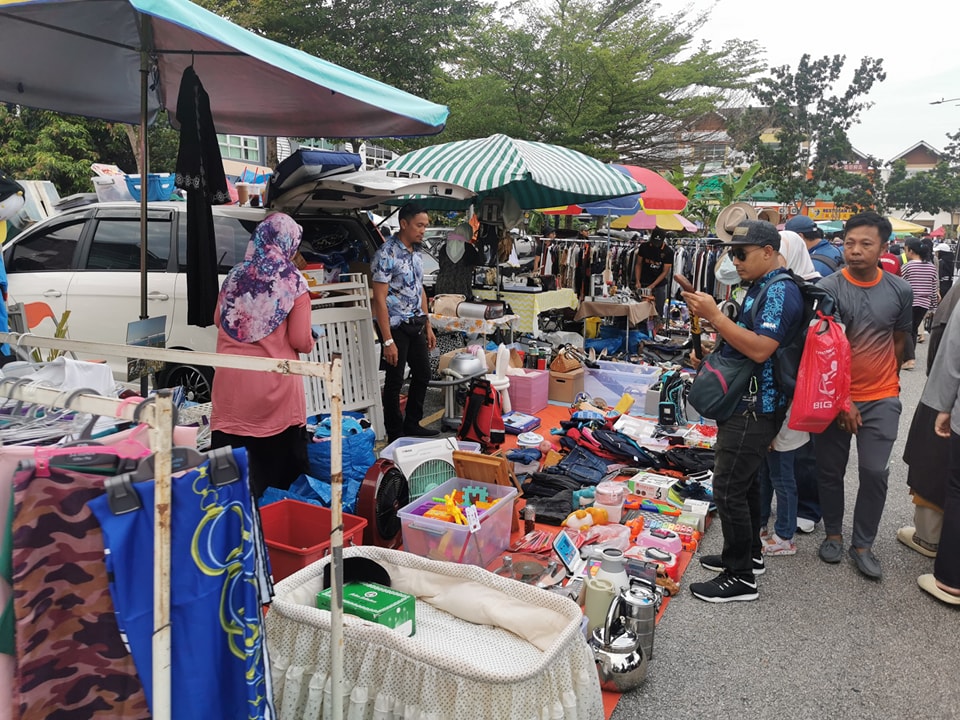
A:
123, 498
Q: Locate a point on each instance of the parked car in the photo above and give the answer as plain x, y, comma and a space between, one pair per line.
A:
87, 260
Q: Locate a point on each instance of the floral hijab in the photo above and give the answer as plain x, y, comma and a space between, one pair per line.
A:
259, 293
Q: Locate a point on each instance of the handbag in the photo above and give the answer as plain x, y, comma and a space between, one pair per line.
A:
447, 304
720, 384
564, 363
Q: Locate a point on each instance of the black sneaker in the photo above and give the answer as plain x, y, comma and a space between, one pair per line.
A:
714, 563
725, 588
421, 432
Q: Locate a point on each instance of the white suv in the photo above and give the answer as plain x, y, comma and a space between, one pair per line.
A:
87, 259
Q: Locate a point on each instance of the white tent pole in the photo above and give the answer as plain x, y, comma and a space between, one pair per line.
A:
162, 520
335, 393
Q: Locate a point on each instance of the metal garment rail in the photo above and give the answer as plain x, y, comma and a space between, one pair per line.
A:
160, 419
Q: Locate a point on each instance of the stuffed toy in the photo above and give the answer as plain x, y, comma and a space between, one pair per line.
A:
12, 198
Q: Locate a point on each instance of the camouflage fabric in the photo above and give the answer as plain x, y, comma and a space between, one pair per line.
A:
72, 663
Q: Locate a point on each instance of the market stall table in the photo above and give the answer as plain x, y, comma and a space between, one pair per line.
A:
529, 305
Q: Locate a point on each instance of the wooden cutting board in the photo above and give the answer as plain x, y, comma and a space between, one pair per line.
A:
489, 469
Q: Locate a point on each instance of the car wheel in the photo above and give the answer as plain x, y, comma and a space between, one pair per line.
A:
196, 380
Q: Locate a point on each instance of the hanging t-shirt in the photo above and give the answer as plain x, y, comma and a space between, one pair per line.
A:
215, 594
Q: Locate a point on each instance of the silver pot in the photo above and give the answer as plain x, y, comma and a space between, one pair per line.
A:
465, 364
621, 662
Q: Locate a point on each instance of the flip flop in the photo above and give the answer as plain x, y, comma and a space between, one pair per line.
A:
928, 582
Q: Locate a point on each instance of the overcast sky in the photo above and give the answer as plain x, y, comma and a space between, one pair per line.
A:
916, 40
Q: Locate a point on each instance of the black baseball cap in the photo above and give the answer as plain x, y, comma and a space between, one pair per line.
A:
755, 232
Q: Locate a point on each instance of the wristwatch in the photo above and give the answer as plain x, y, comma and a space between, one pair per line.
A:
388, 343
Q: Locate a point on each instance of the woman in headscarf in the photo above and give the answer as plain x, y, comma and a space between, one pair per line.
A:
264, 311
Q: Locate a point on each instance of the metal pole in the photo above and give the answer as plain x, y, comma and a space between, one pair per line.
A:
144, 169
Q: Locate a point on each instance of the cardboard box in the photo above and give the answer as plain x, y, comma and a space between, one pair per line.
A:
564, 387
651, 485
697, 509
376, 603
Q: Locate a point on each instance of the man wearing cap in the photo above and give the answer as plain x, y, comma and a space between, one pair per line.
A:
877, 310
743, 439
653, 265
827, 259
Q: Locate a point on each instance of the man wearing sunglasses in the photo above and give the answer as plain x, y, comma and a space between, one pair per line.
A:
743, 439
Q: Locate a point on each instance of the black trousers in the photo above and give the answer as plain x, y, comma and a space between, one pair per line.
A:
275, 461
946, 568
411, 342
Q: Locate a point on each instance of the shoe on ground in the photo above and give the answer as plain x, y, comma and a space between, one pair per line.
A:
715, 563
831, 550
725, 588
764, 533
867, 562
422, 432
908, 536
909, 365
776, 545
683, 490
805, 525
929, 583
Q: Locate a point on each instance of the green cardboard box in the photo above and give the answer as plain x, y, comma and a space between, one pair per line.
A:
376, 603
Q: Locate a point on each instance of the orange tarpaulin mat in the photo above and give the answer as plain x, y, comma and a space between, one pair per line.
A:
550, 417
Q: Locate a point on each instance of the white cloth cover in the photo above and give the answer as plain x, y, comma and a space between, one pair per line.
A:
452, 668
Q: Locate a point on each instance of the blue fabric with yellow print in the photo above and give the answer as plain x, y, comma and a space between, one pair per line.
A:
218, 668
402, 270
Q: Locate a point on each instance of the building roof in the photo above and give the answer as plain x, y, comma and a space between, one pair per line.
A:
923, 144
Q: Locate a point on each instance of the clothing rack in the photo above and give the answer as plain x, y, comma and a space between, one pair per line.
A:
159, 416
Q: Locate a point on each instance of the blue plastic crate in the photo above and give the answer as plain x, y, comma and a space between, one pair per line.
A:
159, 186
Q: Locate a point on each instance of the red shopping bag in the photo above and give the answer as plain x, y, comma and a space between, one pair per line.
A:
823, 379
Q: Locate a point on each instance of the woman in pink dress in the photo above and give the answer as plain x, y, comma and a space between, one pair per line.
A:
264, 311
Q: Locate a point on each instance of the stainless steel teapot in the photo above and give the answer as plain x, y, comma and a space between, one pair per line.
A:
621, 662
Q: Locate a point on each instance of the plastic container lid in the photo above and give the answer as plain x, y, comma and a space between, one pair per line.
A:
609, 493
529, 439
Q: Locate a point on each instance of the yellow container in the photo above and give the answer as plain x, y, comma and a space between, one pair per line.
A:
591, 327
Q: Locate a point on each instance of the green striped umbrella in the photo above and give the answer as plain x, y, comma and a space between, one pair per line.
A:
537, 175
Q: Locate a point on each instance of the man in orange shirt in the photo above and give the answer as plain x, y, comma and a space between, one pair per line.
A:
877, 309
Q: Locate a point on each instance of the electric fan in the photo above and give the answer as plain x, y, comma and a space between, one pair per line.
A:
426, 465
383, 492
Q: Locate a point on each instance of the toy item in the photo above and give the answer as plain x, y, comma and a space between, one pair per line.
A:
579, 520
661, 538
599, 514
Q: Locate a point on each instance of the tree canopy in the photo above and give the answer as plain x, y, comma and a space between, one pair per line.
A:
611, 79
799, 135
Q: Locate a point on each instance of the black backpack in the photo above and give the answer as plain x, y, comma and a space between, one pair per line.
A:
833, 263
623, 446
786, 359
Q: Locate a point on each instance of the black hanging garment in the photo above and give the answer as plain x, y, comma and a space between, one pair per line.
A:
200, 173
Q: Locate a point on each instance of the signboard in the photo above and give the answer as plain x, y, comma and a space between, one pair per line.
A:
145, 333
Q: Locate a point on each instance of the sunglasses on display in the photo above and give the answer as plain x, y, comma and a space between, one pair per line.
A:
739, 253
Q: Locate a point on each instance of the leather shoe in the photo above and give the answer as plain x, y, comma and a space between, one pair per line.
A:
831, 550
421, 432
867, 562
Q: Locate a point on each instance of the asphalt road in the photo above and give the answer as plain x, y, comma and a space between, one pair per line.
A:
822, 641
